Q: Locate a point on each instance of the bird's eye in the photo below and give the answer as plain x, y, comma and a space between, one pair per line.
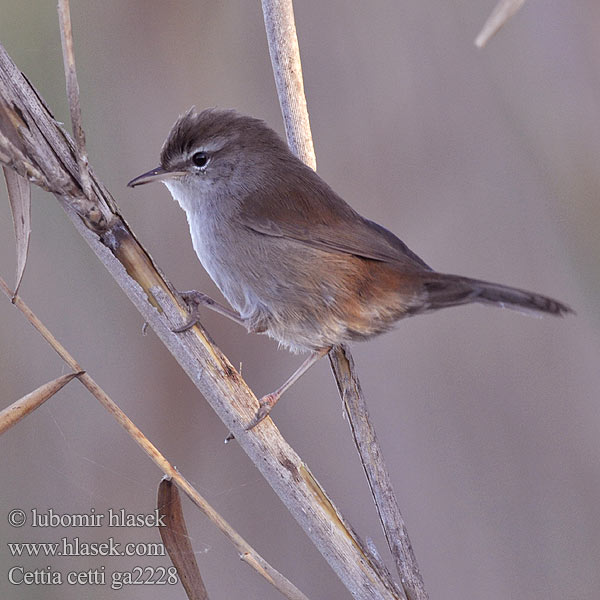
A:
200, 159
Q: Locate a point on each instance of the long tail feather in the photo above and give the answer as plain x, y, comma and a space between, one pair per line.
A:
441, 291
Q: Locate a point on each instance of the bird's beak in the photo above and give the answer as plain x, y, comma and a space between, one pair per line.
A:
156, 174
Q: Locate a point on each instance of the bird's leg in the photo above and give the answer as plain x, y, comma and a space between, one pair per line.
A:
266, 403
196, 299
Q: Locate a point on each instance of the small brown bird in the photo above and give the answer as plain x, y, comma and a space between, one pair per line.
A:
292, 258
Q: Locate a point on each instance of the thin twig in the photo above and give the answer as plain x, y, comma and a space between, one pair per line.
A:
66, 36
285, 57
243, 547
502, 12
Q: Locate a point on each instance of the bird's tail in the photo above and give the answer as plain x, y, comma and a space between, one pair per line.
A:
440, 291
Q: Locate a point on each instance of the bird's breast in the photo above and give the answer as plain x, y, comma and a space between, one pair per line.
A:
227, 253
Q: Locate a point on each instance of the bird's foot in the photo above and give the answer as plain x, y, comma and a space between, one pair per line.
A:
194, 300
265, 404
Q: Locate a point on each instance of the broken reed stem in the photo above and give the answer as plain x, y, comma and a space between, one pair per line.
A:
246, 552
287, 68
66, 36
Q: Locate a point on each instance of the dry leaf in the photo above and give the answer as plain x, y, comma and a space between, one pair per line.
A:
19, 196
177, 541
27, 404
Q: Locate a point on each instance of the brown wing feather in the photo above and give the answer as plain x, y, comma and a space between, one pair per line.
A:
302, 207
318, 217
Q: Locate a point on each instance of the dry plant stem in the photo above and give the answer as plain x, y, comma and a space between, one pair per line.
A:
287, 69
502, 12
377, 476
12, 414
37, 147
244, 549
285, 56
66, 36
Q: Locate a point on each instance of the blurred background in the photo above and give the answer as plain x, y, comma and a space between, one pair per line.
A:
485, 162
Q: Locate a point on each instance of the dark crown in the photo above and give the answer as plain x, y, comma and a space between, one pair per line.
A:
193, 129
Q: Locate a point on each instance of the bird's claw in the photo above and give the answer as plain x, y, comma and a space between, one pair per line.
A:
194, 300
193, 320
265, 404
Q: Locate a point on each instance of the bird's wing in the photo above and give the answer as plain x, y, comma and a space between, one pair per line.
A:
321, 219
